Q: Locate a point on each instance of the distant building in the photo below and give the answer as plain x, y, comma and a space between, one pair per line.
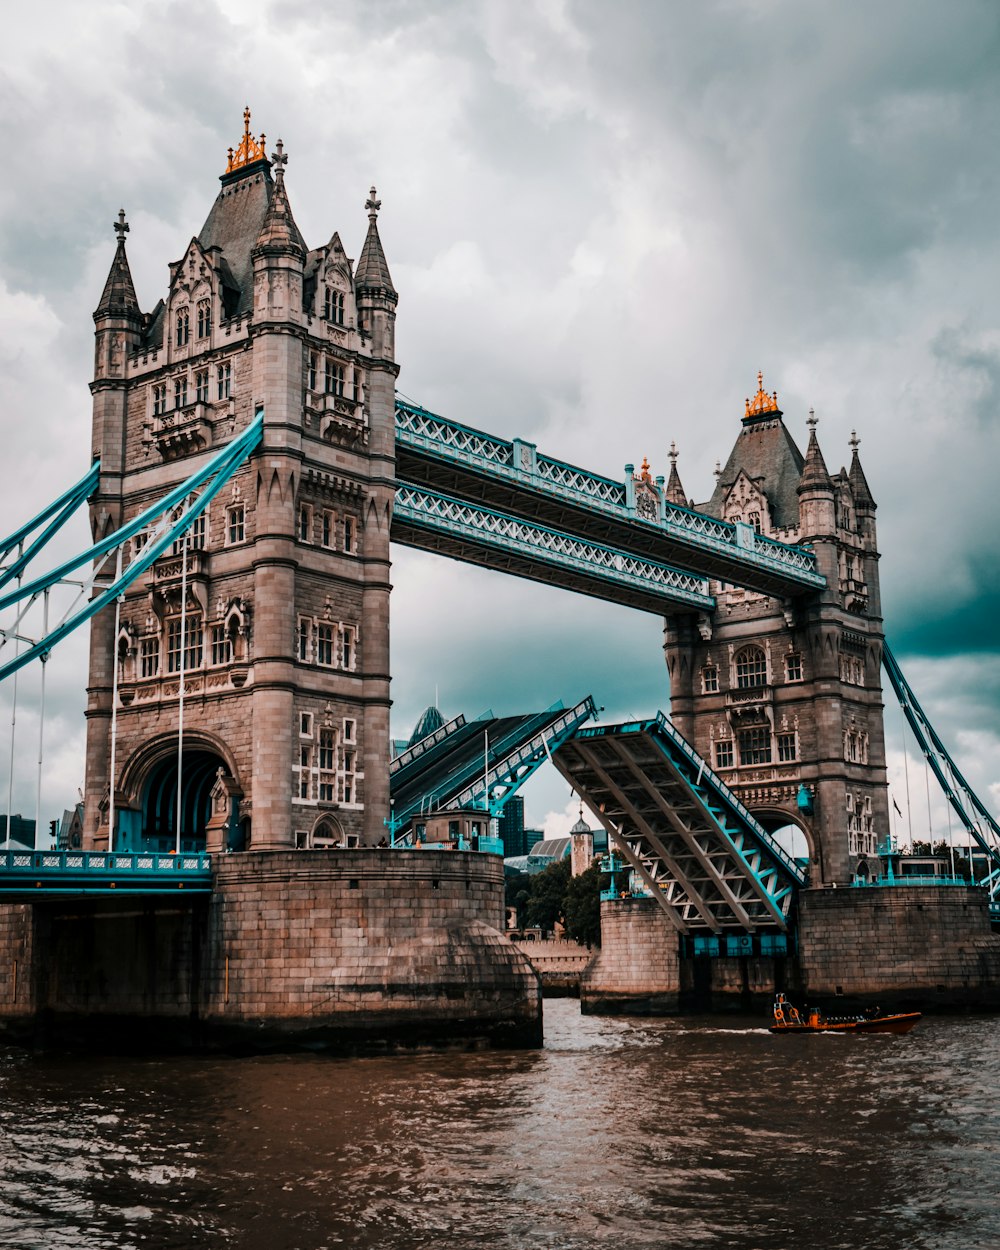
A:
548, 851
69, 836
20, 834
510, 826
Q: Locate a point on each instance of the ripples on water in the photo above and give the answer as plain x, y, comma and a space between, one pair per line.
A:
694, 1133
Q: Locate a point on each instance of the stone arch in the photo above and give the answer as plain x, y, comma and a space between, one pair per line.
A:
777, 819
148, 790
327, 831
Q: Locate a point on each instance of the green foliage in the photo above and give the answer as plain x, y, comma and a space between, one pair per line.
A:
583, 907
517, 891
547, 904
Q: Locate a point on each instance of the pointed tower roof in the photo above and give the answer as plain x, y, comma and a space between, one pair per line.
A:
814, 472
675, 491
118, 299
859, 484
278, 232
767, 454
372, 273
235, 219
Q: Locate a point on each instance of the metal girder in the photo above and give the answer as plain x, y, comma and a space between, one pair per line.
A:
708, 863
163, 528
434, 522
513, 477
976, 820
29, 875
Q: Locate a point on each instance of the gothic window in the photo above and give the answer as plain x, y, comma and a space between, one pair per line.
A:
305, 523
751, 668
236, 524
304, 649
222, 646
755, 745
139, 541
350, 534
224, 379
201, 386
159, 399
305, 771
329, 529
180, 392
192, 643
312, 371
333, 377
305, 724
196, 534
183, 326
710, 679
753, 518
333, 305
350, 730
787, 748
327, 765
724, 753
204, 319
793, 666
350, 651
350, 795
149, 656
852, 670
324, 646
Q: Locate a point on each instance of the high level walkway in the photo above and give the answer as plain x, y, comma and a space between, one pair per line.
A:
459, 463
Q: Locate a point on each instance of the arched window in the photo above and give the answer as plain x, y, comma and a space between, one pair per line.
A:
204, 318
751, 668
183, 326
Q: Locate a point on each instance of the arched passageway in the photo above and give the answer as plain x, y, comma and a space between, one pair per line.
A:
199, 772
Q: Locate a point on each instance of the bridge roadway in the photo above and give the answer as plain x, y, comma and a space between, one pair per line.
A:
459, 463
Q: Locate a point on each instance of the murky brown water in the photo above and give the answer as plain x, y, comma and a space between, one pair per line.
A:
693, 1133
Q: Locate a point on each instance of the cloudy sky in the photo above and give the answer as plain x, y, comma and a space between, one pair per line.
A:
602, 218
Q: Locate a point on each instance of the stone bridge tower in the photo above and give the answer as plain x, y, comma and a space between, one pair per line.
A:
783, 697
286, 656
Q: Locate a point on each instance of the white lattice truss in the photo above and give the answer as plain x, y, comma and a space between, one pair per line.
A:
427, 509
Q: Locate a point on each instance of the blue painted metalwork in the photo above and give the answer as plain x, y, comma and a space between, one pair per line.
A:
30, 875
56, 514
544, 554
688, 838
745, 553
974, 816
210, 478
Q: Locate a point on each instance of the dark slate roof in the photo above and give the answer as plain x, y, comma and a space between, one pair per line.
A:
373, 270
859, 484
118, 299
234, 224
278, 231
766, 452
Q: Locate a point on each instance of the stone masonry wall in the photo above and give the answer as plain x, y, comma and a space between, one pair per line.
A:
365, 947
637, 969
16, 945
909, 945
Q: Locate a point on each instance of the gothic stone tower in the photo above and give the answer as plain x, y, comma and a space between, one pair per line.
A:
286, 665
783, 697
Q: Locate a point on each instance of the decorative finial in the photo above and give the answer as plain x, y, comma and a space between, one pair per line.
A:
373, 204
854, 442
672, 453
762, 404
279, 160
249, 150
644, 471
812, 420
718, 469
121, 226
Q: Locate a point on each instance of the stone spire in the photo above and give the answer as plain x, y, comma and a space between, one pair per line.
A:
372, 273
118, 299
675, 491
859, 486
279, 235
815, 477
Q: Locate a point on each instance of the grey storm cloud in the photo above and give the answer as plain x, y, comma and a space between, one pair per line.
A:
602, 221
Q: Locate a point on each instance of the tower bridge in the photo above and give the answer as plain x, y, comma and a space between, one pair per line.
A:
253, 461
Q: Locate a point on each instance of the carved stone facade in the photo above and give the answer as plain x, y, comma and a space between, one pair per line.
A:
783, 697
286, 619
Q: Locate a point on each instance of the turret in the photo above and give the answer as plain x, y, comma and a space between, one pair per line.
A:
377, 296
278, 255
675, 491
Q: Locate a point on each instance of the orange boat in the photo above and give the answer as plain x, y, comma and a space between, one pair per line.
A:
788, 1019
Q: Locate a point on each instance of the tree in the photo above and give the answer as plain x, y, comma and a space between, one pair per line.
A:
517, 891
547, 905
583, 906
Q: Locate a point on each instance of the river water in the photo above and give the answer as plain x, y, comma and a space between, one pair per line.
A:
698, 1132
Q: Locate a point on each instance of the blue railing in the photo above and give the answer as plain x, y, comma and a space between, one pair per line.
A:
86, 872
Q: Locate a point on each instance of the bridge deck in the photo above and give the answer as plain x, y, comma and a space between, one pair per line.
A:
514, 478
26, 876
690, 840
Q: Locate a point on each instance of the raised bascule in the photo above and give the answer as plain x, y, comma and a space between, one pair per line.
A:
253, 871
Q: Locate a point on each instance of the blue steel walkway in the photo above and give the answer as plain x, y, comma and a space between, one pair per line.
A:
26, 876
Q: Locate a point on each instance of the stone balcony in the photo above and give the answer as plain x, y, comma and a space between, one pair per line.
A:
183, 430
340, 419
